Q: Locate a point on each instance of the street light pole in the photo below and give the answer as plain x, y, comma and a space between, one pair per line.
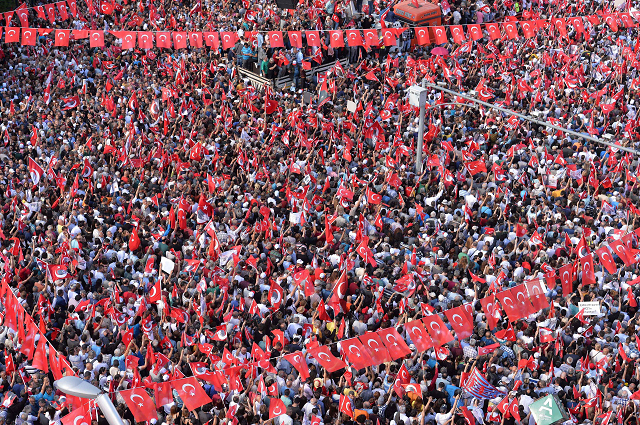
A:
420, 134
528, 118
72, 385
415, 99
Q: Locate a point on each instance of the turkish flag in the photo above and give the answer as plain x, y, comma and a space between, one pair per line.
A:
295, 39
612, 22
621, 251
276, 295
228, 39
373, 198
588, 275
356, 353
327, 360
313, 38
179, 40
72, 7
128, 39
389, 37
508, 333
36, 171
566, 278
441, 35
626, 20
561, 25
10, 365
437, 329
141, 405
134, 241
345, 405
40, 357
62, 10
336, 39
461, 321
371, 38
96, 38
550, 279
62, 37
354, 38
528, 28
606, 259
395, 344
11, 35
537, 296
503, 406
491, 310
476, 167
511, 29
29, 342
79, 416
493, 30
514, 409
488, 349
51, 12
155, 294
458, 34
23, 16
412, 388
191, 393
211, 39
163, 39
577, 24
523, 305
508, 303
127, 337
145, 40
418, 335
300, 277
298, 361
475, 32
275, 39
105, 7
422, 36
195, 39
375, 347
201, 371
341, 286
276, 408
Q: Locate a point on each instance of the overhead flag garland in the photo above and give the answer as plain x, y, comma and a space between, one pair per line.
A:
368, 38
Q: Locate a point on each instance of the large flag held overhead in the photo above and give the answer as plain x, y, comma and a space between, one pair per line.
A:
478, 386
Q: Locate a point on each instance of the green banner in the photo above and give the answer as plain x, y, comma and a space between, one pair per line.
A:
548, 411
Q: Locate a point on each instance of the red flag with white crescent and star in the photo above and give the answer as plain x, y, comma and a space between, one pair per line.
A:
141, 405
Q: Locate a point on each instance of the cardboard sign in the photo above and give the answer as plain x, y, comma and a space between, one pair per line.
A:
591, 308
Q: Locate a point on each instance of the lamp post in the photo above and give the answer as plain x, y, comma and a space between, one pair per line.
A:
72, 385
418, 98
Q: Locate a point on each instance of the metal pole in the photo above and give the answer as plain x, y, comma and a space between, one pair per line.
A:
420, 135
524, 117
109, 410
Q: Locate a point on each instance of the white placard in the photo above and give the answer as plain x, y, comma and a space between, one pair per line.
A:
591, 308
166, 265
294, 218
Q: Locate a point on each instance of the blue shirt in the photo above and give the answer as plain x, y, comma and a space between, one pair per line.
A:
451, 397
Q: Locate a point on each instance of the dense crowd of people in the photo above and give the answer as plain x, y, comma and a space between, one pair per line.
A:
166, 222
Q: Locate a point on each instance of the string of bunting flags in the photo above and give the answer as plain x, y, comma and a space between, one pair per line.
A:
368, 38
